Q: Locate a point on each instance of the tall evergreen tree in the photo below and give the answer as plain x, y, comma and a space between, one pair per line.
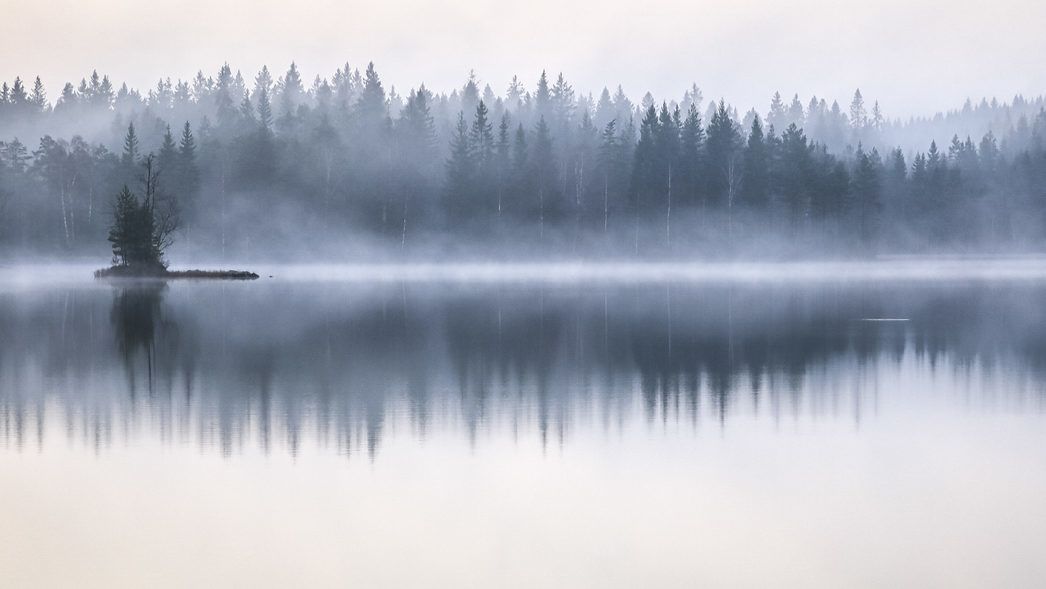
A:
543, 165
755, 188
460, 172
168, 157
794, 174
865, 190
691, 150
129, 159
723, 169
371, 104
188, 178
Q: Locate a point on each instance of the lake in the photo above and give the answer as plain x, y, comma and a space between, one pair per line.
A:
796, 426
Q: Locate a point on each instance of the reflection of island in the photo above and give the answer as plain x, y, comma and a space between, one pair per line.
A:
141, 332
279, 365
136, 310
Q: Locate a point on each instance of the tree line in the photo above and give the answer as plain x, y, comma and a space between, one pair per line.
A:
273, 166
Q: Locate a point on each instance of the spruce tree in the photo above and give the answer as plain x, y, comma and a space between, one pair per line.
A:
371, 104
130, 157
168, 156
865, 190
755, 184
692, 143
721, 154
778, 116
188, 173
38, 97
124, 234
645, 176
794, 173
460, 172
481, 139
543, 165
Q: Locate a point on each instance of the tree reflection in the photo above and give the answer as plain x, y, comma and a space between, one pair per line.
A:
136, 317
287, 365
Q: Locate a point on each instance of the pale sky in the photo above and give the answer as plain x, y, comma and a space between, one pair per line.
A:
914, 56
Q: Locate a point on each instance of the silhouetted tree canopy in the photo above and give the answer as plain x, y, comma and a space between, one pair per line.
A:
255, 166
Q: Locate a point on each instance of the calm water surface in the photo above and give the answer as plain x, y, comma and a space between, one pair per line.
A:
329, 431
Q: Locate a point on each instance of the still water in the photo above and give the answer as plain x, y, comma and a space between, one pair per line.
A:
323, 430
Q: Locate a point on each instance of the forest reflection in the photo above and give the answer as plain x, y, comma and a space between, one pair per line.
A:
276, 365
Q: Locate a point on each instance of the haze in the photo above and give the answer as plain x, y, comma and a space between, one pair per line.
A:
915, 58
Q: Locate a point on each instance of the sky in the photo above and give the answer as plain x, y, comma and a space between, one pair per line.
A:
914, 56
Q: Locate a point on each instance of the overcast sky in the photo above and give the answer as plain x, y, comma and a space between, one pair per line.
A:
915, 56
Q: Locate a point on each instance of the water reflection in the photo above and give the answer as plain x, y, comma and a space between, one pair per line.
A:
136, 318
278, 364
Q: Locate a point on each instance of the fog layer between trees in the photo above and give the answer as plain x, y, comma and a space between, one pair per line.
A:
345, 168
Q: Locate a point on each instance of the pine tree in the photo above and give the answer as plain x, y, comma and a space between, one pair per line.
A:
543, 165
460, 171
168, 157
895, 188
562, 99
371, 103
503, 161
417, 127
291, 93
794, 173
470, 94
858, 115
877, 120
514, 95
264, 109
223, 102
18, 98
247, 114
143, 229
481, 138
263, 81
721, 156
609, 166
667, 162
38, 98
755, 184
130, 148
188, 172
124, 234
795, 113
691, 149
645, 176
604, 109
778, 116
865, 190
542, 97
520, 177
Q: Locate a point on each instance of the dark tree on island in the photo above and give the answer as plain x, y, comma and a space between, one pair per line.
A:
143, 229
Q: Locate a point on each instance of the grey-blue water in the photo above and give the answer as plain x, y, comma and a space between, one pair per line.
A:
796, 427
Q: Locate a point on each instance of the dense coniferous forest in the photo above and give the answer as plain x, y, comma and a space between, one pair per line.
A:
277, 167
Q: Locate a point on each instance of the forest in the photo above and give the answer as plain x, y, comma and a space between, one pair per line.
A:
278, 168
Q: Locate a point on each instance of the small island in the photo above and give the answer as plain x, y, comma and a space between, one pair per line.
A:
142, 231
127, 271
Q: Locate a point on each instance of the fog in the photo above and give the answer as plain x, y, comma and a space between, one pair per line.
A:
270, 167
343, 133
469, 294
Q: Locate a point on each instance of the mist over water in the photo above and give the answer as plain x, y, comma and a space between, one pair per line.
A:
584, 420
556, 295
332, 353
